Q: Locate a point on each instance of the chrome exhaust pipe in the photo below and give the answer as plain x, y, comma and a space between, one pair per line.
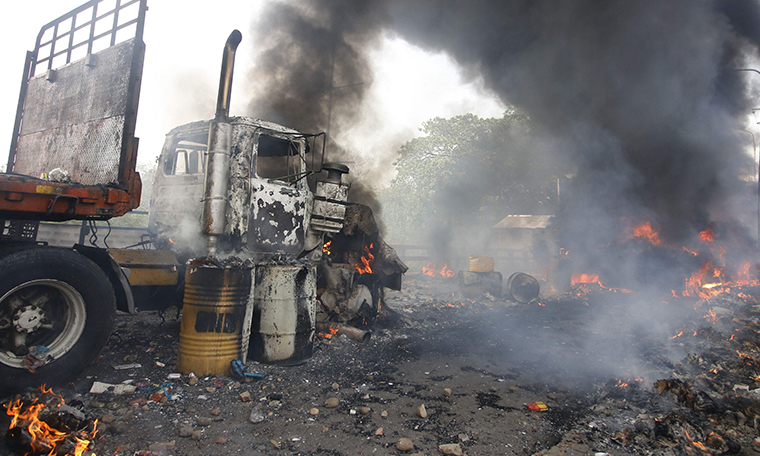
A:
225, 79
218, 161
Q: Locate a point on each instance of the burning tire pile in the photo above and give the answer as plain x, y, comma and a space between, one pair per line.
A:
575, 373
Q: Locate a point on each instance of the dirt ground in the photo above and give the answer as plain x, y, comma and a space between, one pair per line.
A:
474, 365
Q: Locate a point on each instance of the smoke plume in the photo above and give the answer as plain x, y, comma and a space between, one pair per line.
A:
641, 99
307, 52
642, 96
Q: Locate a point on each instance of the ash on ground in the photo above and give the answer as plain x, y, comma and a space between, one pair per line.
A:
616, 373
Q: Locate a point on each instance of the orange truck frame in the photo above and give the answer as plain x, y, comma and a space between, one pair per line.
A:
73, 156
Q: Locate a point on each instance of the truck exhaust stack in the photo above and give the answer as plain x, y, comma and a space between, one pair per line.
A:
217, 175
225, 79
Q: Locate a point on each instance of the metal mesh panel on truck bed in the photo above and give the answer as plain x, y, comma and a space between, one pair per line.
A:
80, 116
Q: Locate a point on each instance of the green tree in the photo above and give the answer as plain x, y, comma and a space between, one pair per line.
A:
467, 171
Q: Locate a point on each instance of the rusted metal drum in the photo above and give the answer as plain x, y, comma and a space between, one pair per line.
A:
212, 329
284, 314
523, 287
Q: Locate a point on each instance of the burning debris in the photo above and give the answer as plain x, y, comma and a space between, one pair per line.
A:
704, 268
433, 270
327, 330
41, 424
664, 396
356, 265
364, 266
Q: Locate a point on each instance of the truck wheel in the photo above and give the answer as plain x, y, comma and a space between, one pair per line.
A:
57, 311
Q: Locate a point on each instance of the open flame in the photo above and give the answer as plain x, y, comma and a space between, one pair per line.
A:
433, 270
713, 441
42, 438
581, 284
364, 266
712, 278
707, 235
331, 331
326, 248
645, 232
585, 278
628, 382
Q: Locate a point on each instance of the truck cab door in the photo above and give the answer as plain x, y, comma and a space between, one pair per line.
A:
280, 198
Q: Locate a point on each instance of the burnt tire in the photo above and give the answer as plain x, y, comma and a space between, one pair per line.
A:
57, 311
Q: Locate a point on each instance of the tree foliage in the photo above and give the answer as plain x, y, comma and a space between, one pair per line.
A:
468, 171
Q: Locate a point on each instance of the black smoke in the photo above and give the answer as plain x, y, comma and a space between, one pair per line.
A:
641, 98
306, 52
311, 55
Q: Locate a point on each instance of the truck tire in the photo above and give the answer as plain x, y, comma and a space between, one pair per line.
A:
57, 311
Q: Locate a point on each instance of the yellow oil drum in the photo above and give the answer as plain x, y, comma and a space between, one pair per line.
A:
481, 264
284, 315
213, 319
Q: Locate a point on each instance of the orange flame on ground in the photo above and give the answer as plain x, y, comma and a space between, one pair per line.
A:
645, 232
707, 236
624, 383
711, 316
713, 440
365, 262
328, 335
326, 248
432, 270
585, 278
581, 281
45, 438
711, 281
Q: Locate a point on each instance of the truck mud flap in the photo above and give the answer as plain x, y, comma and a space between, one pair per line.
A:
125, 300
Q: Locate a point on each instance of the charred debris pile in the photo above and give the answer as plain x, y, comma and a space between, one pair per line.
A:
611, 380
639, 373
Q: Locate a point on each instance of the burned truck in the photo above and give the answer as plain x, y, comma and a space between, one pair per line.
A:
72, 157
237, 193
252, 201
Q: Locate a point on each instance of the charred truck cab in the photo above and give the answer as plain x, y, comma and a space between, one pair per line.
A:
260, 202
237, 193
239, 225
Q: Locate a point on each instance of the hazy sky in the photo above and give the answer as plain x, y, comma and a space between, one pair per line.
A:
184, 42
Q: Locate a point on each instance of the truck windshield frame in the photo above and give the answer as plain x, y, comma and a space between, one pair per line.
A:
280, 158
186, 157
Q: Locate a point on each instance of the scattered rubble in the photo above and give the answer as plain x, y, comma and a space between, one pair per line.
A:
445, 376
404, 444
